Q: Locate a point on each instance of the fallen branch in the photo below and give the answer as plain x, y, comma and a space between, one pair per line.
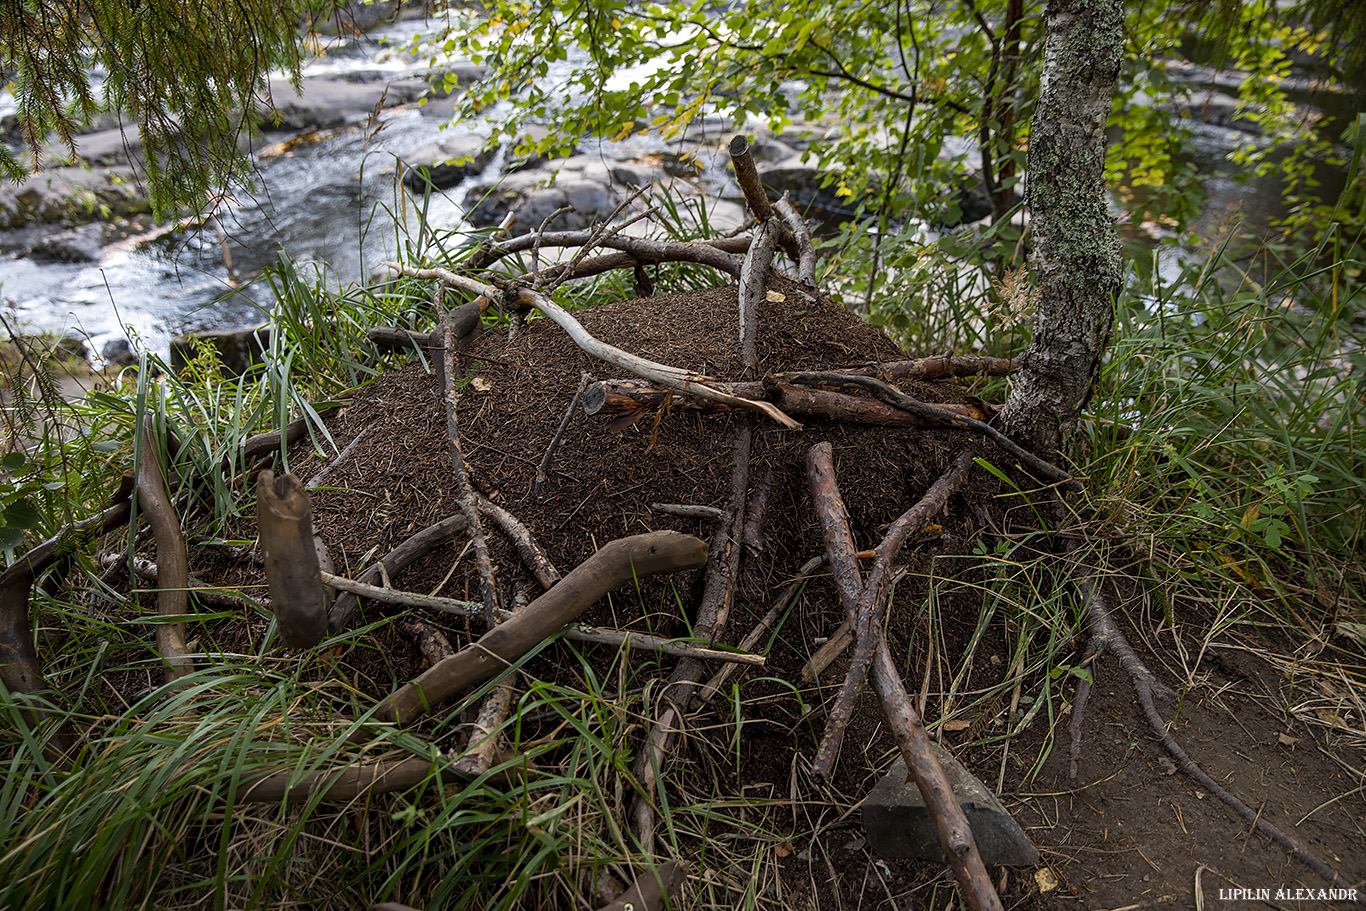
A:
939, 366
756, 513
412, 549
747, 176
806, 252
408, 599
684, 511
532, 554
431, 642
622, 396
208, 594
555, 440
616, 563
317, 480
671, 377
895, 397
20, 669
765, 624
464, 492
717, 254
155, 503
872, 602
600, 636
955, 835
284, 517
753, 276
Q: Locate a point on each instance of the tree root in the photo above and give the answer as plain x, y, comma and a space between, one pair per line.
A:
1106, 636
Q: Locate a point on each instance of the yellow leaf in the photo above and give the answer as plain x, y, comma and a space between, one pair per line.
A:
774, 297
1045, 879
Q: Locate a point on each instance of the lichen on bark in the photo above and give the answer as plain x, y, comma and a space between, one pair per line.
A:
1076, 256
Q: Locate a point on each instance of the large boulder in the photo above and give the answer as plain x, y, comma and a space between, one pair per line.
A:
324, 104
72, 196
446, 162
238, 349
81, 244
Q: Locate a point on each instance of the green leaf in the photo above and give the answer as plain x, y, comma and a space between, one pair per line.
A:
10, 538
21, 514
13, 461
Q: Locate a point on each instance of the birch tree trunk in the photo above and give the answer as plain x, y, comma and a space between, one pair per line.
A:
1076, 255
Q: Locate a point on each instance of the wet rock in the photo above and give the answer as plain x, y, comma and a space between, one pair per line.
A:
446, 162
899, 825
238, 349
117, 352
324, 104
72, 196
120, 146
81, 244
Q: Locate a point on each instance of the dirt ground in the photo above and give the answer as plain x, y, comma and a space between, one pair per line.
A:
1130, 832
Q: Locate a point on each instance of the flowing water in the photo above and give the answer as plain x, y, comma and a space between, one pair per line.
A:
334, 204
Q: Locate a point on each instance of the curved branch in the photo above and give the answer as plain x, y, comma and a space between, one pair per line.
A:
172, 561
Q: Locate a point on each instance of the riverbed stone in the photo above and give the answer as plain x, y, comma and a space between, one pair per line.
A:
118, 352
446, 162
72, 196
899, 825
81, 244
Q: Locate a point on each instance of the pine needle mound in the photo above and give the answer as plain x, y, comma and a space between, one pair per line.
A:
601, 483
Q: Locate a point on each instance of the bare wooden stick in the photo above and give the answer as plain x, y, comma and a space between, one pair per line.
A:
617, 562
405, 554
155, 503
717, 254
408, 599
756, 514
765, 624
806, 252
431, 641
685, 511
955, 835
317, 480
938, 366
285, 518
532, 553
601, 636
465, 494
555, 440
209, 594
899, 399
753, 275
620, 396
747, 176
839, 640
873, 597
713, 609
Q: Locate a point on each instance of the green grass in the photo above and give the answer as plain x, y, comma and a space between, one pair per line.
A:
1225, 482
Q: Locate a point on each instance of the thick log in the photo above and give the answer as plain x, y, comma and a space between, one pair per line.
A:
622, 396
753, 277
404, 555
284, 516
172, 560
616, 563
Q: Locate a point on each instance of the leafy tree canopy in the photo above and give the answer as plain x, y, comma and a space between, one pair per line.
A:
898, 79
184, 71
